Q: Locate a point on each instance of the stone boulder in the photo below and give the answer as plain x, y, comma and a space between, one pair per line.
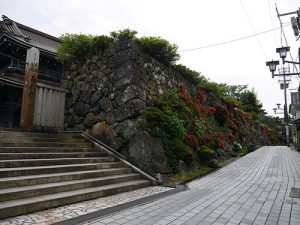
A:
131, 92
132, 109
102, 132
147, 153
128, 129
90, 120
81, 109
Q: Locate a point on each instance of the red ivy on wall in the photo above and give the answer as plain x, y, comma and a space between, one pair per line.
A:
231, 136
191, 140
201, 97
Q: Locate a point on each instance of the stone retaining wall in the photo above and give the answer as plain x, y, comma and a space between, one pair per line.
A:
107, 95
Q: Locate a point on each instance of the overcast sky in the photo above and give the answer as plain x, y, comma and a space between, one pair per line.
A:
189, 24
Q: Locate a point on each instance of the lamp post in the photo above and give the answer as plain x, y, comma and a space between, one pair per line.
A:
272, 66
278, 108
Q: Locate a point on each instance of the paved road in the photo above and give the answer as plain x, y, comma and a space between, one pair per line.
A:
253, 190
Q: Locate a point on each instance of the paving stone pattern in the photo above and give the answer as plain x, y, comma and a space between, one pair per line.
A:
62, 213
252, 190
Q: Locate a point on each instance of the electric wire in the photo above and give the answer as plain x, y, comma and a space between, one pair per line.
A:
231, 41
272, 22
284, 36
253, 29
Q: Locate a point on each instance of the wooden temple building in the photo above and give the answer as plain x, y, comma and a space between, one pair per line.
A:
15, 40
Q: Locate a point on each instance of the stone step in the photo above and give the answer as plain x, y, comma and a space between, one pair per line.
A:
46, 144
46, 149
51, 188
8, 182
47, 155
15, 134
24, 171
51, 162
44, 139
27, 205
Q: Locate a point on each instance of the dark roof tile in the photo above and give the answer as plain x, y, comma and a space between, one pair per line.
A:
29, 36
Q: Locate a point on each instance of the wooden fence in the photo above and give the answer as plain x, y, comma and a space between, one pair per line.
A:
49, 107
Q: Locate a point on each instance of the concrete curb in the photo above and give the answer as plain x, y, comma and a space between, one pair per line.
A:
107, 211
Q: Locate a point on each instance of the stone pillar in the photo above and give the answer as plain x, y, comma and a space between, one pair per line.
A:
29, 90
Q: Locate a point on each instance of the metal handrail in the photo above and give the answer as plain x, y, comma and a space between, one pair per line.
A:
91, 138
112, 152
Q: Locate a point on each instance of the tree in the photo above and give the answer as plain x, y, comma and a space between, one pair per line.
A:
250, 103
235, 91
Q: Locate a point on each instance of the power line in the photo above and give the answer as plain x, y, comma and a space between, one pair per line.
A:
272, 22
283, 34
253, 29
231, 41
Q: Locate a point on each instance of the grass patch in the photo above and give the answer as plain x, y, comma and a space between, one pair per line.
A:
183, 177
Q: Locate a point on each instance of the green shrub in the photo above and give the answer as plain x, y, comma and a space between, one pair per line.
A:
78, 46
73, 46
221, 114
191, 75
100, 43
230, 101
199, 128
205, 153
217, 89
160, 49
124, 35
178, 148
162, 123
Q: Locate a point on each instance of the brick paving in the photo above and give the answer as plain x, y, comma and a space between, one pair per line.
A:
252, 190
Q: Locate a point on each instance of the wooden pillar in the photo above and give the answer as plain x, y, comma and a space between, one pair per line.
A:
29, 90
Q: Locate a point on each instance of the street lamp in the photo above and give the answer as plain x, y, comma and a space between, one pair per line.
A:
272, 66
283, 52
278, 108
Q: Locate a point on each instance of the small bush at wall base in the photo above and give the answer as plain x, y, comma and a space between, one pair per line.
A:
205, 153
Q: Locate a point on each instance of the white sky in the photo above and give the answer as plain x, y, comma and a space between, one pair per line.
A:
189, 24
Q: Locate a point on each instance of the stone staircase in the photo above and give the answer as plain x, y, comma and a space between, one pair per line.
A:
40, 171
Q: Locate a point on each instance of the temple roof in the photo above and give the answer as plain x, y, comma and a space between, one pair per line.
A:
28, 36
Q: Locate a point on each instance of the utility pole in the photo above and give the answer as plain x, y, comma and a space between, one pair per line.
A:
29, 90
286, 117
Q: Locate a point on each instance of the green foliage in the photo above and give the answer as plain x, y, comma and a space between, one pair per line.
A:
124, 35
250, 103
230, 101
102, 42
221, 114
177, 147
78, 46
199, 128
212, 87
234, 91
73, 46
194, 76
205, 153
193, 174
160, 49
275, 123
164, 123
